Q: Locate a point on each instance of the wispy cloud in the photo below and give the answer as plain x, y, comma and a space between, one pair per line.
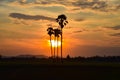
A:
115, 34
78, 31
80, 19
12, 34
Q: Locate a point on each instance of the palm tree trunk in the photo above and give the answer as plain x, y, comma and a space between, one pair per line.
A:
57, 46
54, 46
61, 44
51, 47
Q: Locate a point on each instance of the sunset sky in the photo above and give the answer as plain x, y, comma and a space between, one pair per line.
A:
93, 29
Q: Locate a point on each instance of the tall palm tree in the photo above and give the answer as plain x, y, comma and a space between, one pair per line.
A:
57, 32
62, 21
50, 32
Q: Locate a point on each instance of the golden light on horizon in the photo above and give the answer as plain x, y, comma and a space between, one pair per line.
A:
55, 43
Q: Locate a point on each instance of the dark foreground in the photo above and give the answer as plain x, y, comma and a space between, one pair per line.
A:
59, 71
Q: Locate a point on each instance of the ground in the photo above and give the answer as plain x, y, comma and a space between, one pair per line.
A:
37, 70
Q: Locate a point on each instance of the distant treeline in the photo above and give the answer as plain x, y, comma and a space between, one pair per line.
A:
68, 58
97, 59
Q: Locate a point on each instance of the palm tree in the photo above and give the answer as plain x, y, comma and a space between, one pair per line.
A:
57, 32
50, 32
62, 21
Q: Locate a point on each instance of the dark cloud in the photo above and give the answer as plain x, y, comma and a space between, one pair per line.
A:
115, 34
30, 17
115, 27
118, 7
98, 5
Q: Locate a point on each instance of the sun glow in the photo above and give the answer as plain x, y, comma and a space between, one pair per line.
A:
54, 43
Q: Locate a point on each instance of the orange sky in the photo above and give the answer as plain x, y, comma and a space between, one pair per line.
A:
93, 29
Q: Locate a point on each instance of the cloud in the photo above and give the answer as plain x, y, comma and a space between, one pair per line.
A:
1, 0
81, 4
30, 17
87, 4
94, 5
7, 1
115, 34
78, 31
77, 5
114, 28
22, 1
80, 19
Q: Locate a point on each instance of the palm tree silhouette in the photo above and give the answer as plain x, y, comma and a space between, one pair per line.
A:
62, 21
57, 32
50, 32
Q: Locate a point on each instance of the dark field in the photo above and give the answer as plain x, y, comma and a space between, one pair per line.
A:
46, 69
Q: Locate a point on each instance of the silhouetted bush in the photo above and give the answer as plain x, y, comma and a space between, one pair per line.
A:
68, 56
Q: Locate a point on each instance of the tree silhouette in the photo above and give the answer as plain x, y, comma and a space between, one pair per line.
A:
57, 32
50, 32
62, 21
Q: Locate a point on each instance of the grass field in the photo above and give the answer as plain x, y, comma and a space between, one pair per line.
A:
46, 69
